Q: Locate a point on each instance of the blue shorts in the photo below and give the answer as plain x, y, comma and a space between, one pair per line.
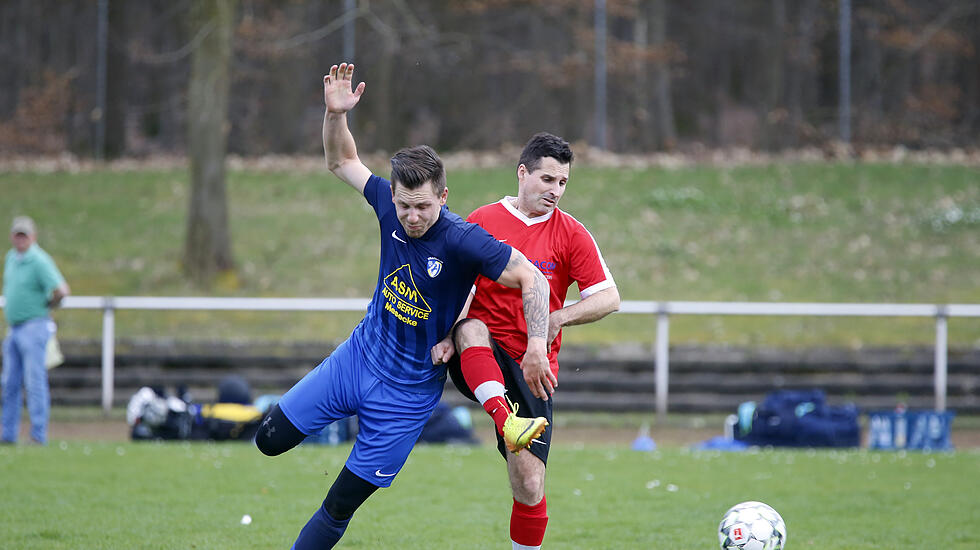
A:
389, 418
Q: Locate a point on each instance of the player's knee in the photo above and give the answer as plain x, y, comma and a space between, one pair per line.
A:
277, 434
469, 333
346, 495
265, 445
529, 489
339, 510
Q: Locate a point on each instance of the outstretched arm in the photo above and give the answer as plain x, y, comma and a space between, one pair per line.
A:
339, 148
587, 310
535, 292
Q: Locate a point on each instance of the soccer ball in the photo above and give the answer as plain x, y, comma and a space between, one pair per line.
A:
751, 526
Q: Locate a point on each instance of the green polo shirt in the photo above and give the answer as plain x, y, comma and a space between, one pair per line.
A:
28, 280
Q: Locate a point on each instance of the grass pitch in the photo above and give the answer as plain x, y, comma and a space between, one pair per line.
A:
193, 495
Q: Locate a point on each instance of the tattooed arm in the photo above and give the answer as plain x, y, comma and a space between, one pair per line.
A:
536, 293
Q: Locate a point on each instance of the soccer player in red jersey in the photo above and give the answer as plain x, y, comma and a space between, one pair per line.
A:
490, 343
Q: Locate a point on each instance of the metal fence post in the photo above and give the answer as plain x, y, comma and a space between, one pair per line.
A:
940, 361
108, 352
662, 365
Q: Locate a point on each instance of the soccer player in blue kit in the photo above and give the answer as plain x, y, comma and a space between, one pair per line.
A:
384, 372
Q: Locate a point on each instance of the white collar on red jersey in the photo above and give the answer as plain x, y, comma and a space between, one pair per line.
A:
506, 201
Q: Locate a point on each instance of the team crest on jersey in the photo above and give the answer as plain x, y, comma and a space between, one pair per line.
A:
434, 267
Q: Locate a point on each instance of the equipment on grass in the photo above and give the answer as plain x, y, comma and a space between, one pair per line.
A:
448, 425
798, 418
152, 414
905, 429
751, 526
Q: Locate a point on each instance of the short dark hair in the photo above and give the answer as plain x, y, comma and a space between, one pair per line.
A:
543, 145
413, 166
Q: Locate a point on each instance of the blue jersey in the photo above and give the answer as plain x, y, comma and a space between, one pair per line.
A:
422, 286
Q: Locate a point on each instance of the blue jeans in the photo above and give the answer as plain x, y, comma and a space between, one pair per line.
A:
23, 365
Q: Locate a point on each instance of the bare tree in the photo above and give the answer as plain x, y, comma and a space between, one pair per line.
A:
803, 69
484, 73
666, 132
207, 249
770, 107
971, 122
116, 80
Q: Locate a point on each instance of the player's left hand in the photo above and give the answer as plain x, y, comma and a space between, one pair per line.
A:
537, 370
443, 351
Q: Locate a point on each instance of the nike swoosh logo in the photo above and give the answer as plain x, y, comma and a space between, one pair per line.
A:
502, 240
525, 431
393, 236
378, 472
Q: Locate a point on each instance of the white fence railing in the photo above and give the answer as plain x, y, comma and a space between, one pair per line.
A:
662, 310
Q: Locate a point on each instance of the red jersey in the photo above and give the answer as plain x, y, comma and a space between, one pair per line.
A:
560, 246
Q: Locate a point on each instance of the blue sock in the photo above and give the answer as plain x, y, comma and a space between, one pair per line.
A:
322, 531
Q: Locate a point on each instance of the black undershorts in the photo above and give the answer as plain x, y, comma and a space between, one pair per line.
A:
518, 392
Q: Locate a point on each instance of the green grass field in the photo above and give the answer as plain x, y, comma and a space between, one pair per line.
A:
784, 232
74, 495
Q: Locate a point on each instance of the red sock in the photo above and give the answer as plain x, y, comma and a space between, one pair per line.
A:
479, 367
498, 410
528, 523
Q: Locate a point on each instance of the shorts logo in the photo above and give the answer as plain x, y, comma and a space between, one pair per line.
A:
434, 267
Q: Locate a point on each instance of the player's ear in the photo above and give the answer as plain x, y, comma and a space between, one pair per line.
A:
445, 196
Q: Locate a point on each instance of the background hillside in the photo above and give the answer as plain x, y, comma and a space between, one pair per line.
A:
826, 232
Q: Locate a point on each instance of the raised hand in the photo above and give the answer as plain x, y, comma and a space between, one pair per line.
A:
338, 95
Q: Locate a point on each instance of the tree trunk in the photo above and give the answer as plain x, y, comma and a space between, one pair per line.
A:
874, 90
802, 78
116, 81
719, 25
971, 120
664, 106
208, 247
774, 78
645, 133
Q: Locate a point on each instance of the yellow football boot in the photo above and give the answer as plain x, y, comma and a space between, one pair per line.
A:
520, 432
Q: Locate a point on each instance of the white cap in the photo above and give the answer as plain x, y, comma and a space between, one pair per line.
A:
23, 224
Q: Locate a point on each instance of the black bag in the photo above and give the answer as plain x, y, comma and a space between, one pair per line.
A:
801, 418
444, 427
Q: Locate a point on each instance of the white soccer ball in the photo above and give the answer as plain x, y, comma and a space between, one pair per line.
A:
751, 526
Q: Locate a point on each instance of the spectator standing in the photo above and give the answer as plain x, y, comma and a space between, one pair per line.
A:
32, 285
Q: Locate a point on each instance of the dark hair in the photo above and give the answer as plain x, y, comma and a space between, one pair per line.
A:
543, 145
413, 166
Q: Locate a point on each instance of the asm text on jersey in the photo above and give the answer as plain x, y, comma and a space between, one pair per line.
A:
403, 299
